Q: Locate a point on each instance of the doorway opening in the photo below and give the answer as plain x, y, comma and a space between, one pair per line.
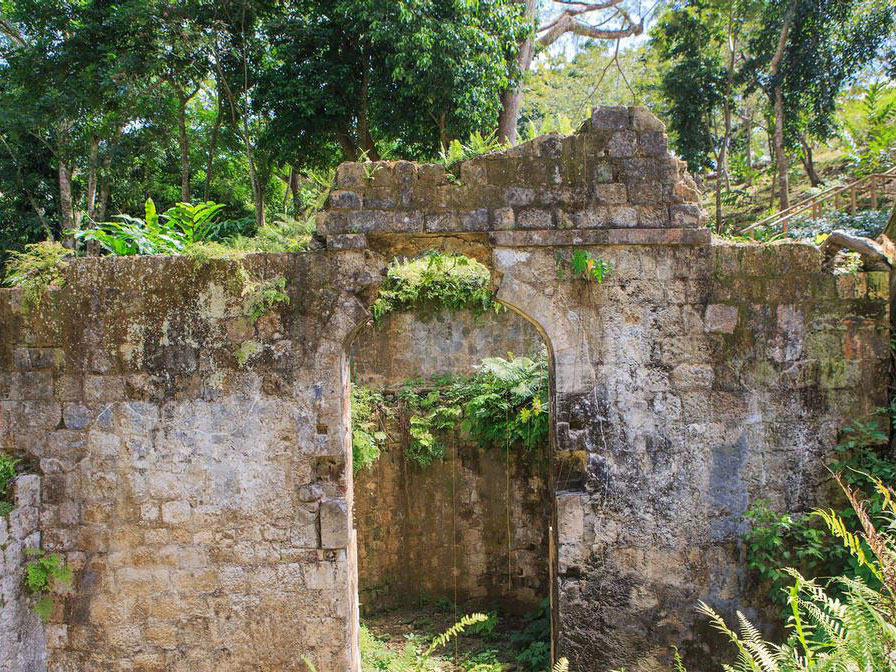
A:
452, 492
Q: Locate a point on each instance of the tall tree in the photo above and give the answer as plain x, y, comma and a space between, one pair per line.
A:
604, 20
413, 72
803, 54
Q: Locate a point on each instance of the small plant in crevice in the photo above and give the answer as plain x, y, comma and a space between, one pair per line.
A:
477, 145
438, 279
246, 351
582, 264
45, 574
8, 469
262, 296
36, 269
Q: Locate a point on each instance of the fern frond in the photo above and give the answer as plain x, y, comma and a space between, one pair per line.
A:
453, 632
561, 665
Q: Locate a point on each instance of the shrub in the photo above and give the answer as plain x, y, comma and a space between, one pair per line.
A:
439, 280
36, 269
868, 223
168, 233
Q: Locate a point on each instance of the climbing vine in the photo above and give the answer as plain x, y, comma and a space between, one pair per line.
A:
437, 279
368, 437
504, 404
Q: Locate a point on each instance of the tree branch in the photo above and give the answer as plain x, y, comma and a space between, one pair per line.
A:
12, 33
566, 23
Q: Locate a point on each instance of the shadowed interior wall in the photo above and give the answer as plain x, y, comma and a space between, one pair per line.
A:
407, 517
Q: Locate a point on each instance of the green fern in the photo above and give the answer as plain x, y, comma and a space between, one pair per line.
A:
852, 633
422, 659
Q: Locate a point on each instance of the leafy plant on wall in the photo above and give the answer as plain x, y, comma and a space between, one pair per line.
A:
45, 574
439, 280
582, 264
504, 404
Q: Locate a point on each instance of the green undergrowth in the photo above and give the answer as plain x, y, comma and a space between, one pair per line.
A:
493, 642
843, 622
778, 542
503, 405
437, 279
368, 437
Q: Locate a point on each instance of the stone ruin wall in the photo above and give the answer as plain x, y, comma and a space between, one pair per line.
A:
405, 516
205, 503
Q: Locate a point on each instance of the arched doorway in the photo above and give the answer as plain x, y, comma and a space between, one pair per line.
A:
452, 491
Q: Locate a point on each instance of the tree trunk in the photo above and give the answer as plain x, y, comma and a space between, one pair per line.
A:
104, 192
365, 140
294, 187
719, 226
748, 147
66, 205
780, 154
511, 99
778, 103
91, 176
809, 163
213, 146
184, 148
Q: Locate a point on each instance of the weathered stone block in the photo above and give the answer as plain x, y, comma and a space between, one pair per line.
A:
347, 241
644, 120
175, 513
601, 171
624, 216
653, 144
519, 196
685, 215
503, 219
366, 221
610, 194
610, 118
27, 490
347, 200
720, 318
691, 376
474, 220
334, 523
645, 193
534, 218
623, 144
350, 176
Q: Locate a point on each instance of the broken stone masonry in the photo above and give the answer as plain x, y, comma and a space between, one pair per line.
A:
204, 500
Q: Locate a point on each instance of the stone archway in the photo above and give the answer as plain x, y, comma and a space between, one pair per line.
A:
193, 460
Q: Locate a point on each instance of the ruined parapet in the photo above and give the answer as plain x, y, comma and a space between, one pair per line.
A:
614, 175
